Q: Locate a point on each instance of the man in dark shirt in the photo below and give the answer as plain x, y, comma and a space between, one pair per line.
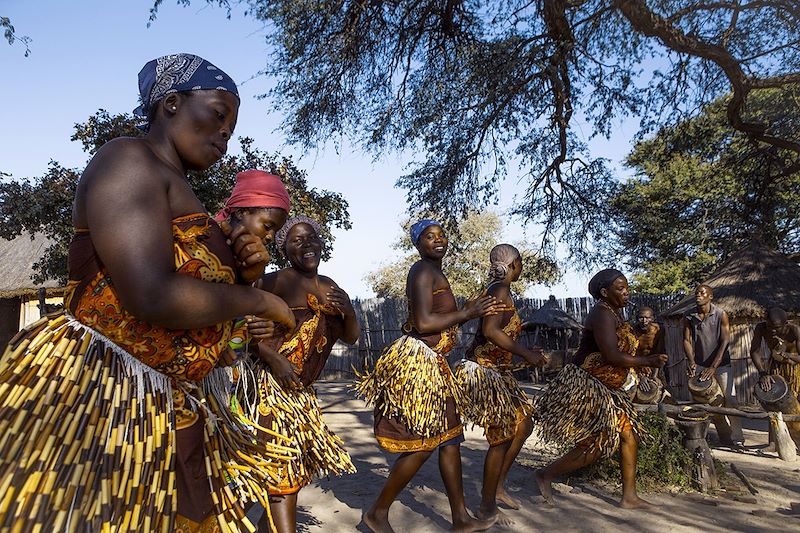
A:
706, 333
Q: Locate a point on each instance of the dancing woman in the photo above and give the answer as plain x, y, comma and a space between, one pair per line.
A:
412, 388
290, 366
495, 400
114, 415
588, 403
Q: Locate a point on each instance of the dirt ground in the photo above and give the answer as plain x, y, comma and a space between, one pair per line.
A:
336, 504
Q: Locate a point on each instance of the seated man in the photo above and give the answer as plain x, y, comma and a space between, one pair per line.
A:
650, 337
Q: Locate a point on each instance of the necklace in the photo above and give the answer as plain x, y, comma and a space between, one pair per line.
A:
613, 311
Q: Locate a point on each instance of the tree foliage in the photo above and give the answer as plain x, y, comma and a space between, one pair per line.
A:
43, 205
703, 191
467, 261
10, 35
478, 87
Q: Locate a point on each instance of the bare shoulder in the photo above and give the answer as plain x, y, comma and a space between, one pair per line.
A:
268, 281
598, 317
501, 291
328, 281
123, 157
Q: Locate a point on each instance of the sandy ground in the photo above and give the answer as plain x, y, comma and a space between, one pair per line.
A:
336, 504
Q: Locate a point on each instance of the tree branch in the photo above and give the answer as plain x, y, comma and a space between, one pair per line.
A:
645, 21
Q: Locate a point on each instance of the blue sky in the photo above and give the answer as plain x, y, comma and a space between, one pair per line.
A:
85, 55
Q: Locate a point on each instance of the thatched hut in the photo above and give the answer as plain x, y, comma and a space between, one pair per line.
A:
19, 295
553, 329
754, 279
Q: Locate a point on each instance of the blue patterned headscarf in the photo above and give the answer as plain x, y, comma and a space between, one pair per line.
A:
178, 73
418, 227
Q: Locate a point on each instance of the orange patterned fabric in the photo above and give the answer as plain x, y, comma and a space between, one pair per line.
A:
611, 376
492, 356
201, 252
319, 326
506, 432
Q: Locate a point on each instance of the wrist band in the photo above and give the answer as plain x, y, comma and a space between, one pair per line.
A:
762, 373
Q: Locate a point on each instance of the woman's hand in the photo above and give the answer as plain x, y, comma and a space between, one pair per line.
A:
657, 360
274, 308
251, 253
285, 373
537, 357
341, 301
482, 306
259, 328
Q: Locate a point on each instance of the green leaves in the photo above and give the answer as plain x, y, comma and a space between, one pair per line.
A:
703, 191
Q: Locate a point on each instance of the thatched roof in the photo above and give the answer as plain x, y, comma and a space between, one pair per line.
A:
754, 279
551, 316
17, 257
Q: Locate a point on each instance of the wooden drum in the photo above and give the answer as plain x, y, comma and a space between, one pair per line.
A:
779, 398
708, 392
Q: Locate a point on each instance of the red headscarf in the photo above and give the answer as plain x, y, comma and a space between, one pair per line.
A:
255, 188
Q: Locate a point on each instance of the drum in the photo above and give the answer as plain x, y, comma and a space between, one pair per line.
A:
779, 398
649, 396
708, 392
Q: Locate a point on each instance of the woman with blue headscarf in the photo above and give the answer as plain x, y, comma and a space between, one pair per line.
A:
116, 412
412, 388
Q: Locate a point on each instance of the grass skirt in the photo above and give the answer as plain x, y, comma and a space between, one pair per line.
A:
495, 401
87, 437
577, 408
411, 383
296, 414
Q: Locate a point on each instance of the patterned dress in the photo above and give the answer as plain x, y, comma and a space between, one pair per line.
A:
113, 423
416, 401
296, 413
496, 401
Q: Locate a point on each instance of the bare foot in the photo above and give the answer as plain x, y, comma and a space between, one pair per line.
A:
634, 502
505, 498
502, 518
545, 487
474, 524
377, 523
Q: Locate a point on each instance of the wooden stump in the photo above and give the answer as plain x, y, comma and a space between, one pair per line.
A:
787, 450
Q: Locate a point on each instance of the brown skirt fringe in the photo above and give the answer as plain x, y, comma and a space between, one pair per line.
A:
495, 401
577, 408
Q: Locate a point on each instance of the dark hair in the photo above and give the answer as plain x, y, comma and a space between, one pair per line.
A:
708, 289
777, 315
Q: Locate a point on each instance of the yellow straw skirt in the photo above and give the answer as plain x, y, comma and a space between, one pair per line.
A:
296, 414
495, 401
578, 409
87, 438
412, 383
